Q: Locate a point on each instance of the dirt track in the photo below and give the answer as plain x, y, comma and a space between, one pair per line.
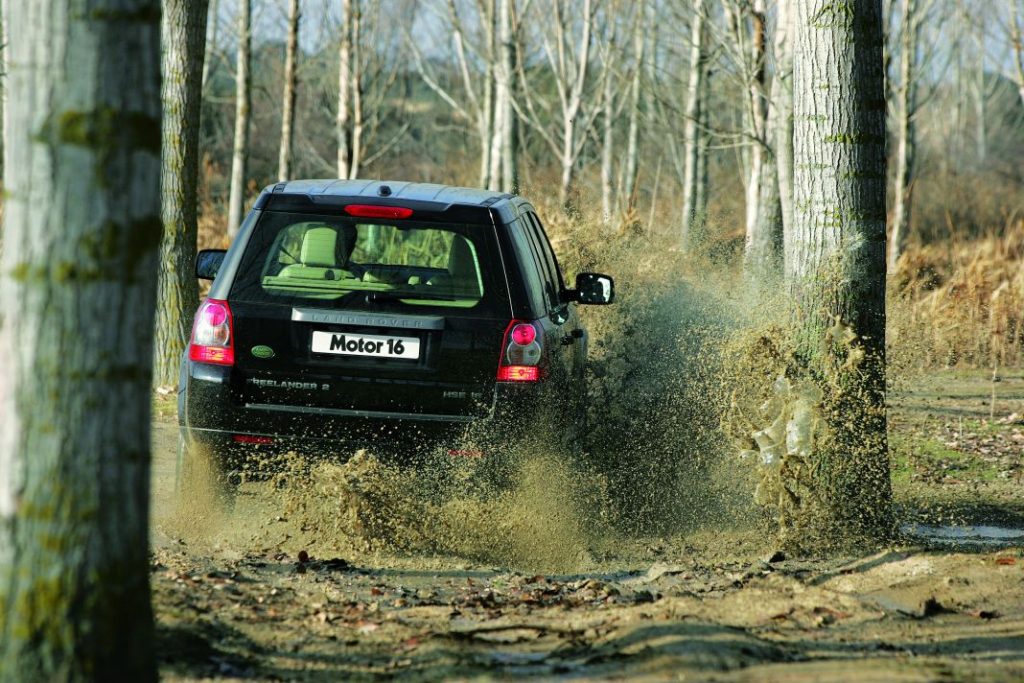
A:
262, 594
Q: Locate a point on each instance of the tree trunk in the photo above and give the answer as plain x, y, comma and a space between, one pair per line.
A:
567, 161
1017, 41
357, 90
507, 51
243, 97
762, 256
838, 265
77, 292
184, 37
344, 90
700, 194
284, 159
492, 111
691, 128
3, 98
504, 173
906, 96
574, 83
641, 28
491, 127
782, 134
211, 44
608, 142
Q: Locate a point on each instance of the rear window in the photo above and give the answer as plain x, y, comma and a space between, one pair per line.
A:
332, 261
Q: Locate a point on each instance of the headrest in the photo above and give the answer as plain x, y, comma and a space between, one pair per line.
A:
347, 235
461, 262
318, 247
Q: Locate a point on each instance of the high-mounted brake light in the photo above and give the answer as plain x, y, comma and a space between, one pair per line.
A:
213, 339
521, 354
371, 211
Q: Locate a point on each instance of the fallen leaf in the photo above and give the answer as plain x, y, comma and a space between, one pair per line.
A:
985, 614
367, 626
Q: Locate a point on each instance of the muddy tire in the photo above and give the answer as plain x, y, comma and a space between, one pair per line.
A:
201, 475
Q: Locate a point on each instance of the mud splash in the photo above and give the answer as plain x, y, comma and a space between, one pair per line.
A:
544, 518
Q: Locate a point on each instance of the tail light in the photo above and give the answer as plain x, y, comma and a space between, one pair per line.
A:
521, 353
213, 339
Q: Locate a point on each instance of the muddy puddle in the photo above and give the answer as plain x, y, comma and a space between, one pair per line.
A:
956, 536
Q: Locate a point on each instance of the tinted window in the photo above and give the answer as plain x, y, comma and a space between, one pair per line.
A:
335, 261
553, 283
529, 264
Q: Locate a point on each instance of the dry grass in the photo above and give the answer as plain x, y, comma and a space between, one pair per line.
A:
960, 302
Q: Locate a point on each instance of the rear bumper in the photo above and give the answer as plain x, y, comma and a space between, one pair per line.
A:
212, 413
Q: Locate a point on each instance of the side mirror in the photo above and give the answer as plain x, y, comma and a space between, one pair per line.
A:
208, 263
594, 288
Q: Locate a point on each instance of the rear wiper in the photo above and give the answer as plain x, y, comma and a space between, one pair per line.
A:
380, 297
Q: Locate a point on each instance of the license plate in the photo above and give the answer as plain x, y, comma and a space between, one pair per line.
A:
348, 344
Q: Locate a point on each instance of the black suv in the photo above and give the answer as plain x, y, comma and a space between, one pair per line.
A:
347, 312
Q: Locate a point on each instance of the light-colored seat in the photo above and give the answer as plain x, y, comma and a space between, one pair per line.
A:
463, 276
318, 257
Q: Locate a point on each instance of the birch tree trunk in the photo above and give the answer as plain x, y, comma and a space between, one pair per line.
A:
566, 39
764, 227
569, 60
640, 29
243, 102
211, 44
691, 128
608, 140
356, 88
765, 244
757, 116
504, 169
906, 106
77, 288
702, 186
284, 159
3, 97
344, 90
782, 133
1016, 20
184, 38
505, 89
838, 263
763, 251
491, 119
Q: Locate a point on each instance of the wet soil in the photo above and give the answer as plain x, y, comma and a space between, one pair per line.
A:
271, 591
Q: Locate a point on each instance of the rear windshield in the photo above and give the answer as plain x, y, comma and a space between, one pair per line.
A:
339, 262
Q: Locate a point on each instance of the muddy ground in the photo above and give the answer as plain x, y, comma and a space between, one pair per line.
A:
293, 585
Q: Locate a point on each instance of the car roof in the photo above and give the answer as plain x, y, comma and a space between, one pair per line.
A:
396, 190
